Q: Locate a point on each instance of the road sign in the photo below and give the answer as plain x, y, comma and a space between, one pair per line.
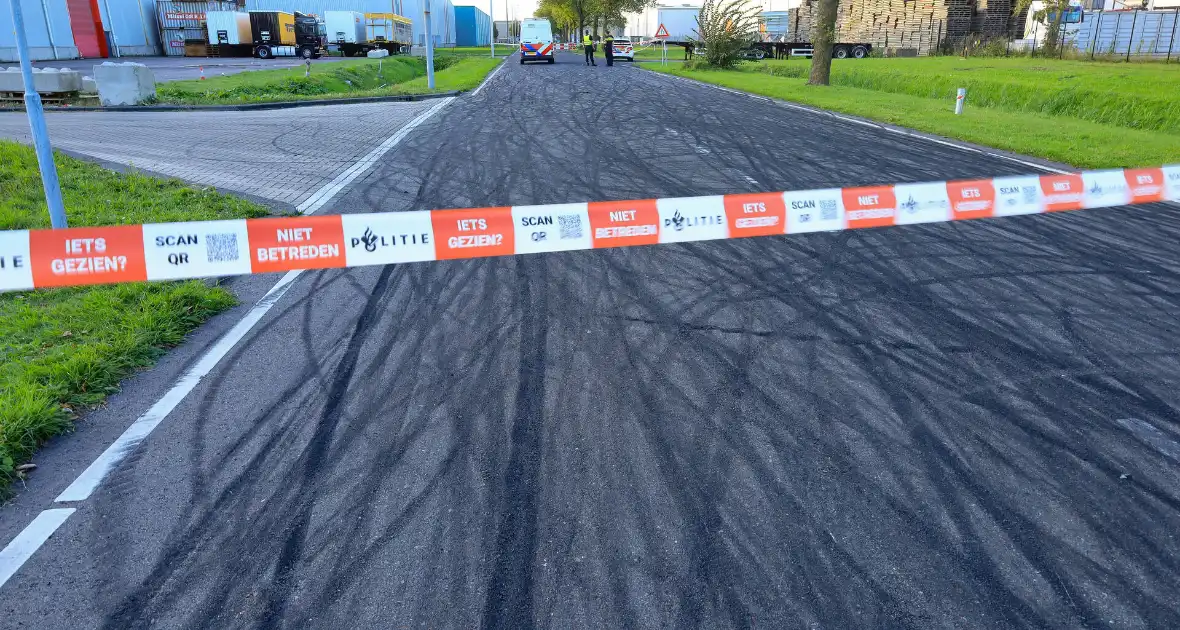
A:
662, 33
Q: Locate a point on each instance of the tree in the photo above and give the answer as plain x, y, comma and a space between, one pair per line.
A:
1052, 14
823, 35
726, 30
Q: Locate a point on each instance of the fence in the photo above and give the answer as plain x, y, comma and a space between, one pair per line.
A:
1123, 35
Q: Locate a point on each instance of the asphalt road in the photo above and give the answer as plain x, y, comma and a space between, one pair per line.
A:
942, 426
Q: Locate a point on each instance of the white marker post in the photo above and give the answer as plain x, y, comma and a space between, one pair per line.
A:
959, 99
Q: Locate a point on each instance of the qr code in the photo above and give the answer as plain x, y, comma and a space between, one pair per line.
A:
827, 209
222, 247
570, 226
1030, 194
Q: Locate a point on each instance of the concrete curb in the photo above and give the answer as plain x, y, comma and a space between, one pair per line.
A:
255, 106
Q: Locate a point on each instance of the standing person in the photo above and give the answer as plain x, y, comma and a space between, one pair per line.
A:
588, 48
608, 49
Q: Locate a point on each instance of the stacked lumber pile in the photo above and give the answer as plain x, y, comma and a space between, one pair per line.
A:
919, 24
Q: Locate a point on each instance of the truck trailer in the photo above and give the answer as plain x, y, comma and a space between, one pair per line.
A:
355, 33
282, 34
775, 38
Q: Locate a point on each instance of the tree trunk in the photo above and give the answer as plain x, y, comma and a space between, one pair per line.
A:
822, 38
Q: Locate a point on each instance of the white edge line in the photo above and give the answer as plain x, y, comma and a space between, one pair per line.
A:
29, 540
87, 482
904, 132
479, 88
322, 196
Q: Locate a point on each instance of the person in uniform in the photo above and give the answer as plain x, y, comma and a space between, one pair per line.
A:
608, 49
588, 48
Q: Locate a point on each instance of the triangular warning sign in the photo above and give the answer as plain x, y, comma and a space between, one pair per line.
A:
662, 32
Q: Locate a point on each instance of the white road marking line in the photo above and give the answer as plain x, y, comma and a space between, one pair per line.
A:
479, 88
325, 194
911, 134
29, 540
89, 480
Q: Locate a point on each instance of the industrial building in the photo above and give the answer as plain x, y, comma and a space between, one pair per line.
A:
442, 13
97, 29
472, 27
69, 29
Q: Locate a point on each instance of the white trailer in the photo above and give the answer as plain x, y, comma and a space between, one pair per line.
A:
345, 27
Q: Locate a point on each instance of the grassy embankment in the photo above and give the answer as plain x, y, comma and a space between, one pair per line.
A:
348, 78
64, 350
1088, 114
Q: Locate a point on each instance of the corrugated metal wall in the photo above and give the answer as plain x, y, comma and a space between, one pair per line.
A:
1142, 33
35, 14
131, 24
472, 27
442, 18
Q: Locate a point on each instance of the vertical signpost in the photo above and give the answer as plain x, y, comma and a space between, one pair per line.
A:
492, 25
57, 210
662, 35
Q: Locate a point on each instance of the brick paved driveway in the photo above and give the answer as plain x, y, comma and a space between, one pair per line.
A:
280, 155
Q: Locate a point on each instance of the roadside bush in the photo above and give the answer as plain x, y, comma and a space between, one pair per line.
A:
726, 29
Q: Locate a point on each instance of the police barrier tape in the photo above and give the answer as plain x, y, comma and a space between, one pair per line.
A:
171, 251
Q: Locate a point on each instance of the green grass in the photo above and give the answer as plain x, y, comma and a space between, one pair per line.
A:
1008, 121
349, 78
675, 53
1135, 95
502, 50
464, 75
64, 350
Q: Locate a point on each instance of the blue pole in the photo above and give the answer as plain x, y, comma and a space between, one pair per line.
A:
57, 210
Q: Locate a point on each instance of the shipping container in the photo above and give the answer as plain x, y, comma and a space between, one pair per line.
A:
272, 27
347, 27
230, 28
47, 27
472, 27
175, 38
171, 14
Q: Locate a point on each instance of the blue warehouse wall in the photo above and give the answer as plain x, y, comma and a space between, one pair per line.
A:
39, 36
472, 27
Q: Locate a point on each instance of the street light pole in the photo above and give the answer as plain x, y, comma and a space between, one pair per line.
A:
492, 24
57, 210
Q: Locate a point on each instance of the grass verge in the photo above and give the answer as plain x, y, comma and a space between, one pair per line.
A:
1082, 143
63, 350
1134, 95
349, 78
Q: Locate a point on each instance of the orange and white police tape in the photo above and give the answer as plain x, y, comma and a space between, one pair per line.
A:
168, 251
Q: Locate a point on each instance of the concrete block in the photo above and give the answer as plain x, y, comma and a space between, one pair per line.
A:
89, 86
894, 51
45, 80
377, 54
124, 83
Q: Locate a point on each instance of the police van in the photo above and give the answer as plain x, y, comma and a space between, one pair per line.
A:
536, 41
